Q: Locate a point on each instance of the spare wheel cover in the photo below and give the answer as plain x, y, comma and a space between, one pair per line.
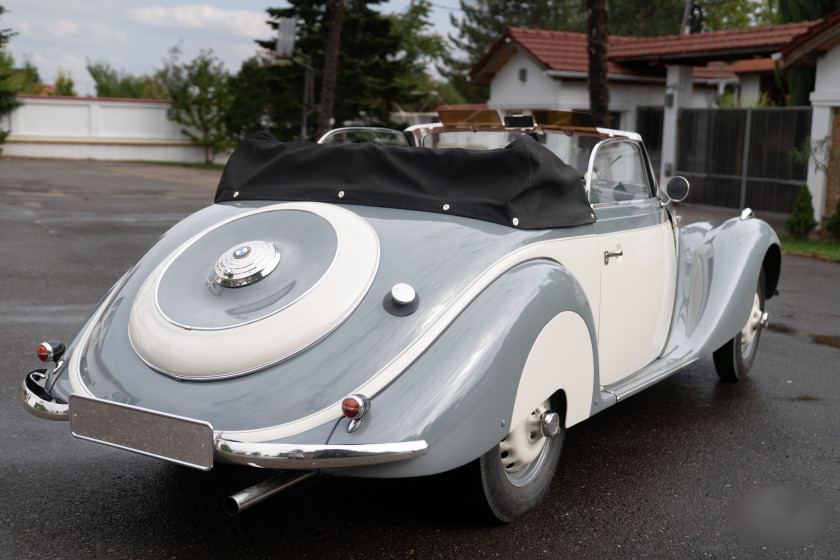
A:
185, 324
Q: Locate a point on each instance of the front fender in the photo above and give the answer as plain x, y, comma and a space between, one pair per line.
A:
717, 275
460, 395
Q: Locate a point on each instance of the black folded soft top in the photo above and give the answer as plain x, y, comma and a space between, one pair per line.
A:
523, 185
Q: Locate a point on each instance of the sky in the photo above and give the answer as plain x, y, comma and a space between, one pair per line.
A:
136, 36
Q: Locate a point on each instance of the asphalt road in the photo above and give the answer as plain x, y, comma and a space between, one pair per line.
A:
652, 477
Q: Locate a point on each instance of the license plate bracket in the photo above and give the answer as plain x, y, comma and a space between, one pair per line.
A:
173, 438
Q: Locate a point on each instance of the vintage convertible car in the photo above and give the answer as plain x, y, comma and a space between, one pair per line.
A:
391, 304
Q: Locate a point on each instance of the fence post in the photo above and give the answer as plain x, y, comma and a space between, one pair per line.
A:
745, 162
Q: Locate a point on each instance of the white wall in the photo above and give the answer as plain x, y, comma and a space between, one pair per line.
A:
828, 72
537, 92
750, 89
825, 99
543, 91
91, 128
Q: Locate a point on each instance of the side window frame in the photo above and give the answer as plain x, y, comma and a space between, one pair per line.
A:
644, 168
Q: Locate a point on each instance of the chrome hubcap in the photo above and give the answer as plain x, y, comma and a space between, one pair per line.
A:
748, 334
246, 263
524, 450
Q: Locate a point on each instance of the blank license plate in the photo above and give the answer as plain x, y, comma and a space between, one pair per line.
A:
173, 438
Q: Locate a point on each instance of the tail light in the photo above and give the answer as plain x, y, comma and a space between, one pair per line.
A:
50, 351
354, 407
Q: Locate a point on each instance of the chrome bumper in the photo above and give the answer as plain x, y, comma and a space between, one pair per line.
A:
188, 442
37, 401
291, 456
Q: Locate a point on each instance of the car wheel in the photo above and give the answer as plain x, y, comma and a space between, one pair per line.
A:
734, 359
515, 474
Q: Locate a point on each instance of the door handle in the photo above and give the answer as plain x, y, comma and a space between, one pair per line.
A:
608, 255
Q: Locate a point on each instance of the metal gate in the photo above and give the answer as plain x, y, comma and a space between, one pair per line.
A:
742, 157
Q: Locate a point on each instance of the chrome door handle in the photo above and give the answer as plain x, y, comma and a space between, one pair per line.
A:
608, 256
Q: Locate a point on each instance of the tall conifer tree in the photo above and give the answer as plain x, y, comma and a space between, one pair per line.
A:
8, 86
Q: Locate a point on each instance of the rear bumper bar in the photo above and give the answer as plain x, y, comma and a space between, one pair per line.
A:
37, 401
291, 456
188, 442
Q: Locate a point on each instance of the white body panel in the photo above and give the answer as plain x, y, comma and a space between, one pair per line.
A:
637, 298
561, 357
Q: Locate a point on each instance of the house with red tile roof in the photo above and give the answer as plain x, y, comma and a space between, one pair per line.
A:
536, 69
556, 64
530, 69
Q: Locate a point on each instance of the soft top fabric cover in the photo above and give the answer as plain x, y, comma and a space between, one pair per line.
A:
523, 185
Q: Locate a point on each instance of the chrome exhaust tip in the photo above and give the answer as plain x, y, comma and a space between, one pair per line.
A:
249, 497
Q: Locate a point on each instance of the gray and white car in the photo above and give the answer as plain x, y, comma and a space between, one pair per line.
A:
460, 293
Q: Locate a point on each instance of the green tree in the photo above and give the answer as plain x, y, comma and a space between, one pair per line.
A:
8, 86
64, 84
366, 79
802, 220
419, 48
631, 18
805, 10
263, 100
735, 14
111, 82
28, 80
200, 94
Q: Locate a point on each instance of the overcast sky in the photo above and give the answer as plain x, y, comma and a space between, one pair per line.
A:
136, 36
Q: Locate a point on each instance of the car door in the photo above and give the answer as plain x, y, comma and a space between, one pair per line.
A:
638, 269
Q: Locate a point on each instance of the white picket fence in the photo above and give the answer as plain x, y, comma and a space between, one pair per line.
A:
96, 128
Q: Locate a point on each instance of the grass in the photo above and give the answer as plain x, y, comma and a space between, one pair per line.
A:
186, 164
828, 249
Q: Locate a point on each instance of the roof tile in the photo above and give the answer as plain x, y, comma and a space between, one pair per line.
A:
566, 51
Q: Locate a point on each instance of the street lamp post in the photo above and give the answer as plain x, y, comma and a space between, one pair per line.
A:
285, 50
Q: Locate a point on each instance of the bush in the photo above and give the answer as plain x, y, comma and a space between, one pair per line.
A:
802, 220
833, 225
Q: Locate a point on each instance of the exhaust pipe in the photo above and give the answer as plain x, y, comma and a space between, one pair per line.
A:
244, 499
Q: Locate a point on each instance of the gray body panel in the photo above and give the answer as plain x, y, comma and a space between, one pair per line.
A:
717, 275
459, 394
439, 264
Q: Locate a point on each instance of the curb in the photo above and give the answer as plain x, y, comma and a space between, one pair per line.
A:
810, 256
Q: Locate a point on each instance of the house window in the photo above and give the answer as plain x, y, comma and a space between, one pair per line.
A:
523, 75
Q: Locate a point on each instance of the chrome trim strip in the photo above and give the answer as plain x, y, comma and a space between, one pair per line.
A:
32, 394
650, 375
292, 456
590, 168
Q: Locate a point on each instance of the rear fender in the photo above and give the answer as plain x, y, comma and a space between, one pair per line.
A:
717, 275
504, 354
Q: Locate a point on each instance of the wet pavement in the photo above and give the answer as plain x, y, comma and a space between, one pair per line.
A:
652, 477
